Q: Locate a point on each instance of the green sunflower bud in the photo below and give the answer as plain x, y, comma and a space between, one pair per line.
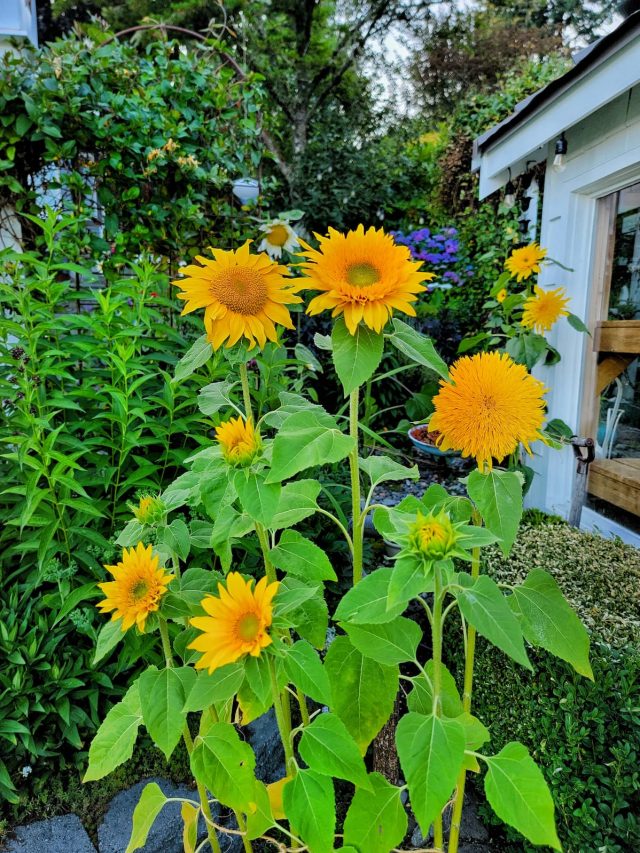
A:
432, 536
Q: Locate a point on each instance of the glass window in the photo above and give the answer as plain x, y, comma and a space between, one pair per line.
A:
624, 300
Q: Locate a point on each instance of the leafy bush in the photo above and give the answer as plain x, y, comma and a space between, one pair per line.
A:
144, 142
589, 749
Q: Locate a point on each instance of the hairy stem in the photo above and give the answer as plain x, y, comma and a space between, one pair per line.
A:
436, 641
188, 742
357, 521
284, 727
454, 834
264, 547
246, 394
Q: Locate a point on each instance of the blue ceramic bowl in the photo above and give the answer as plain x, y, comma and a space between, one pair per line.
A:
423, 447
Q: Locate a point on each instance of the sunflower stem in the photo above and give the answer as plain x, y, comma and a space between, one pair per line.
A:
436, 641
166, 643
202, 794
264, 547
454, 832
246, 393
188, 742
283, 728
356, 514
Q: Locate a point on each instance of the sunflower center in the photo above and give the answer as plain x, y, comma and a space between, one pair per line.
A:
248, 626
240, 289
278, 235
362, 275
429, 532
139, 589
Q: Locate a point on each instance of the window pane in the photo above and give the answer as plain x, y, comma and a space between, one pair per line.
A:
624, 301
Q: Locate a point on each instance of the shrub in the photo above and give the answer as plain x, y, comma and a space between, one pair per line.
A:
589, 749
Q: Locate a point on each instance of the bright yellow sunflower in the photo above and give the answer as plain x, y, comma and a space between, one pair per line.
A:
364, 276
137, 589
237, 622
489, 406
522, 263
242, 294
544, 308
239, 440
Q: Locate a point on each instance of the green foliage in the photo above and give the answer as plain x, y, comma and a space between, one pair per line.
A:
589, 751
146, 142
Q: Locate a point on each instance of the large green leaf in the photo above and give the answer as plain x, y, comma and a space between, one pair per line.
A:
328, 748
211, 688
312, 621
548, 621
299, 556
484, 606
257, 498
498, 496
408, 581
366, 602
116, 737
363, 690
519, 795
355, 357
305, 670
298, 500
198, 354
146, 811
390, 643
309, 803
431, 752
417, 347
215, 396
381, 469
162, 697
376, 821
305, 440
420, 699
224, 764
110, 635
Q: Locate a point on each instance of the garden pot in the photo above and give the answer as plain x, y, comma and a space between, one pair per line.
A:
422, 441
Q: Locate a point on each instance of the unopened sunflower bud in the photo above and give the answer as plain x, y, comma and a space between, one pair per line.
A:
150, 510
433, 536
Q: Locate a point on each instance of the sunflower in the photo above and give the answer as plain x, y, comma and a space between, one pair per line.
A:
434, 536
278, 235
150, 510
237, 622
501, 295
364, 276
522, 263
242, 294
489, 406
137, 589
544, 308
239, 441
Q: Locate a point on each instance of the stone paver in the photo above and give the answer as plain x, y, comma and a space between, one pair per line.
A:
64, 834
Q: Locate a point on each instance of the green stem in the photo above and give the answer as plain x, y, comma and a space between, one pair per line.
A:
246, 394
204, 800
356, 513
304, 710
454, 834
242, 826
283, 727
264, 546
436, 641
188, 742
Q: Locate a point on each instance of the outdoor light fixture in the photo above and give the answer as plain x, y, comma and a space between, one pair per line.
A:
509, 193
246, 189
559, 161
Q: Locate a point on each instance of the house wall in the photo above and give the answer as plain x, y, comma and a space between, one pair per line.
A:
603, 156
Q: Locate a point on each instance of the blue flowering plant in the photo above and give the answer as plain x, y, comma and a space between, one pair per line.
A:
441, 249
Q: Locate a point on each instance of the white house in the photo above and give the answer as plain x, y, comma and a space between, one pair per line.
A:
18, 19
590, 222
